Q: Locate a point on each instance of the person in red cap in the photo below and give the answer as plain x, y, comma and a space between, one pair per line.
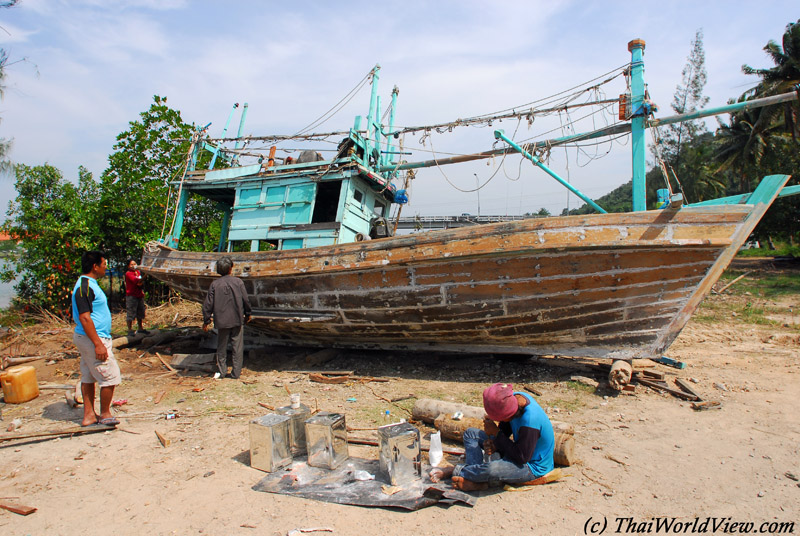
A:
517, 439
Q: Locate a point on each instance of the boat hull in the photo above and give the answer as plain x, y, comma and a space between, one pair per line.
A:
612, 286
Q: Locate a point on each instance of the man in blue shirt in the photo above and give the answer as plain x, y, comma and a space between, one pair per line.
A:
523, 439
93, 339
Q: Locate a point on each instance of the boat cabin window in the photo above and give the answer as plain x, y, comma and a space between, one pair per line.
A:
379, 208
358, 196
327, 202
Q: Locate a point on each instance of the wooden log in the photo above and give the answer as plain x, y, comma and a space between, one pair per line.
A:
564, 450
620, 374
159, 338
428, 409
320, 357
454, 429
12, 361
121, 342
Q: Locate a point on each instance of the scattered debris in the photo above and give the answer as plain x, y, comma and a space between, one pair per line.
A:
159, 397
16, 424
208, 474
664, 360
532, 389
390, 490
585, 381
296, 532
73, 430
662, 386
708, 404
17, 508
165, 442
791, 476
615, 460
723, 289
720, 386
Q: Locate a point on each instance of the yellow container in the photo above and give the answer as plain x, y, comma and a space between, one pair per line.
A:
19, 384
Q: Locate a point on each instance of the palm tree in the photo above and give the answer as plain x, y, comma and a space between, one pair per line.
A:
782, 78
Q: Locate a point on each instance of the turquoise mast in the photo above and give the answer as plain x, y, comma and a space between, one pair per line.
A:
638, 122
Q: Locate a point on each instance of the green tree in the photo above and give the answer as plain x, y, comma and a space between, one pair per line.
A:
783, 77
53, 219
688, 98
135, 187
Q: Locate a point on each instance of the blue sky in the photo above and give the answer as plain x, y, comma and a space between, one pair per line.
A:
91, 66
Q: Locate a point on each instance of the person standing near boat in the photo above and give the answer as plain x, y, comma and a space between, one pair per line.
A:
525, 457
134, 297
93, 339
229, 306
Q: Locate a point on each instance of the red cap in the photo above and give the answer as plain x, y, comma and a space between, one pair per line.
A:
499, 402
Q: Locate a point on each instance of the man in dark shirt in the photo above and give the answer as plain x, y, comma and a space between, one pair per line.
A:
519, 448
228, 304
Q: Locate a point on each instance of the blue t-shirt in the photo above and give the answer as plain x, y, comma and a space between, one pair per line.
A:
88, 296
534, 417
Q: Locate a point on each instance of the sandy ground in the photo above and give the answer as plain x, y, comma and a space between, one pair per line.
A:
642, 456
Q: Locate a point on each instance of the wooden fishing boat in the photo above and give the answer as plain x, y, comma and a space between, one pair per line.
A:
605, 285
611, 285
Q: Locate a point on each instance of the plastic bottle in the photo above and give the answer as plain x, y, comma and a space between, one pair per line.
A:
435, 453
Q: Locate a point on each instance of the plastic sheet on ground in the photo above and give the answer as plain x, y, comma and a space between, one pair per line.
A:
341, 486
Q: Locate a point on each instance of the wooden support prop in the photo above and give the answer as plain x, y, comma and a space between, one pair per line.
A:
267, 406
322, 356
620, 374
17, 508
73, 430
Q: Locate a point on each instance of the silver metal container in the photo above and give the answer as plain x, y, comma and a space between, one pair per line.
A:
326, 440
269, 442
400, 453
297, 427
